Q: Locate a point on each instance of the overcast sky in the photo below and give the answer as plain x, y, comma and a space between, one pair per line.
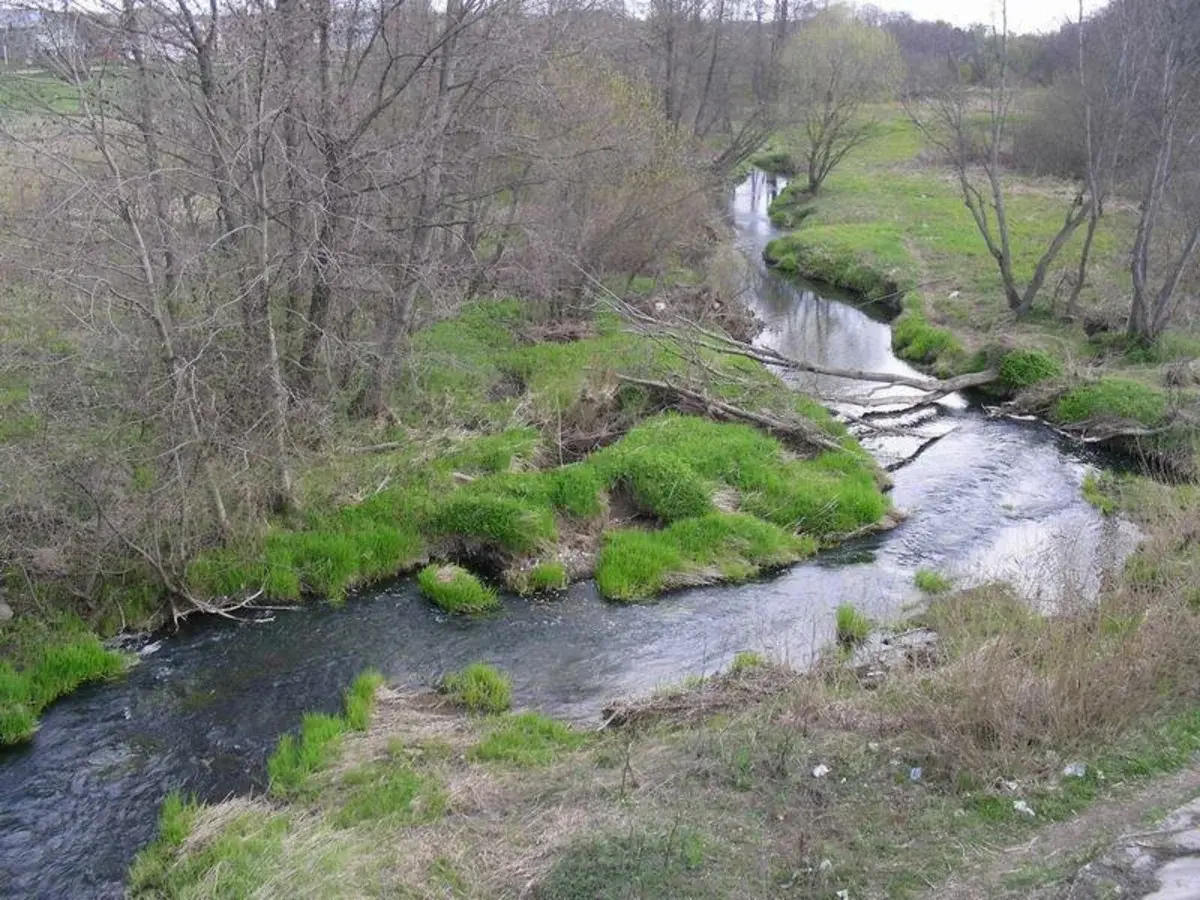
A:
1023, 15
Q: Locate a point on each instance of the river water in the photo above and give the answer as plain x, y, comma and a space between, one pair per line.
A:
203, 709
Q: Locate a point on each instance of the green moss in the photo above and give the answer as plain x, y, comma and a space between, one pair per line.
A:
1024, 368
1113, 398
932, 582
479, 688
636, 564
526, 739
456, 590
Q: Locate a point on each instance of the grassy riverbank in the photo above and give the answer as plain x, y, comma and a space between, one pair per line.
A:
759, 782
524, 458
890, 224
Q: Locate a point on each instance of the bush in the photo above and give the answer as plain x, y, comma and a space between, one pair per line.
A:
1024, 368
1113, 398
932, 582
479, 688
526, 739
853, 626
456, 590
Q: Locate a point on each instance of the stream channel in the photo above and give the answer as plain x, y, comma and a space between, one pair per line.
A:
203, 709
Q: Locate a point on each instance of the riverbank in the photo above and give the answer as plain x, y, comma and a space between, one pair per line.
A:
529, 460
890, 225
758, 782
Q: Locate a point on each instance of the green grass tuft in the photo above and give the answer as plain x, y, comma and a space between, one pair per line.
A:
1113, 398
544, 578
853, 626
299, 756
932, 582
360, 699
527, 739
745, 660
658, 481
636, 564
917, 341
479, 688
55, 663
1024, 368
456, 590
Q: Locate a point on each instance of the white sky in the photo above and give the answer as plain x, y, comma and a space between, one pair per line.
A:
1023, 15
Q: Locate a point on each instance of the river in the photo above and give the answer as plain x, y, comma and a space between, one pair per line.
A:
203, 709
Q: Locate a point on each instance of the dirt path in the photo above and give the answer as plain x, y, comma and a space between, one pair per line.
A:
1045, 867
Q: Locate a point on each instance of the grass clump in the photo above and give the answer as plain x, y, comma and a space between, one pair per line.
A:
299, 756
636, 564
917, 341
527, 739
745, 660
49, 662
479, 688
932, 582
456, 590
1113, 398
658, 481
480, 512
1024, 368
543, 578
852, 626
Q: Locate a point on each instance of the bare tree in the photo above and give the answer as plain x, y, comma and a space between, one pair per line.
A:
949, 118
832, 69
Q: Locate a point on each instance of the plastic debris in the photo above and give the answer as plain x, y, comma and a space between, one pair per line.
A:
915, 773
1024, 808
821, 771
825, 865
843, 895
1074, 770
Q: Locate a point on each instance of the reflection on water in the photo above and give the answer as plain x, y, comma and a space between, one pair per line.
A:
202, 712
